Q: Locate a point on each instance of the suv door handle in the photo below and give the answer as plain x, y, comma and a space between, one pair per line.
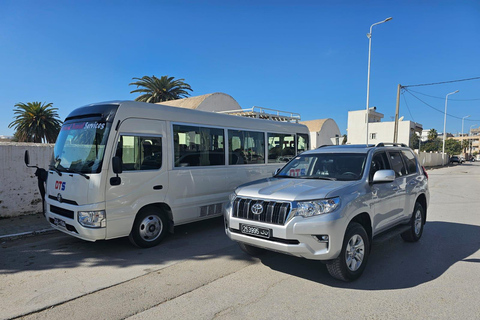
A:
395, 188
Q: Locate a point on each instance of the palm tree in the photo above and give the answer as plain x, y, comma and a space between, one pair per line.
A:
36, 121
432, 134
155, 90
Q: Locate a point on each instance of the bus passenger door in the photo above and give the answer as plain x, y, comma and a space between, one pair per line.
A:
141, 145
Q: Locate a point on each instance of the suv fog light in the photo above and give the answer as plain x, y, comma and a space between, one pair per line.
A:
92, 219
321, 238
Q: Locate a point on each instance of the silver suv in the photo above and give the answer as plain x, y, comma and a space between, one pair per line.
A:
329, 203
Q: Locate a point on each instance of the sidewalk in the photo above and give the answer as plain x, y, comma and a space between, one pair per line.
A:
23, 226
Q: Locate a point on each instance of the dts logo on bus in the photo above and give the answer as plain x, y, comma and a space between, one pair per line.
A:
59, 185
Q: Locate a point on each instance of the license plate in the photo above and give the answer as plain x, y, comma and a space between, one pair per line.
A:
255, 231
59, 223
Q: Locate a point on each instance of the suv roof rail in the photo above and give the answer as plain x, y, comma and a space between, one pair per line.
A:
383, 144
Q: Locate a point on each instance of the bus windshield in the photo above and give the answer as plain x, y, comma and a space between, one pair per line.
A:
80, 147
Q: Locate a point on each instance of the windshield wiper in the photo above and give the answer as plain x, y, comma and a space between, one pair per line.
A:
52, 167
77, 172
317, 177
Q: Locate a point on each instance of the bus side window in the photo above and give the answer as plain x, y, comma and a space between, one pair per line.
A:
140, 152
198, 146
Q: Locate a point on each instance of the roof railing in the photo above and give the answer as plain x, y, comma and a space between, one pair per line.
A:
384, 144
265, 113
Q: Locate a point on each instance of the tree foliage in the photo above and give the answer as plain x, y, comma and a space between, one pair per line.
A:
155, 90
432, 134
453, 147
36, 122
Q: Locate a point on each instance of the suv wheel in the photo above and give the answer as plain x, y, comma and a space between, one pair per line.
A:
349, 265
416, 225
251, 250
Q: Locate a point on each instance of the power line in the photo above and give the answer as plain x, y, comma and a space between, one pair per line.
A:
405, 100
442, 98
443, 82
441, 111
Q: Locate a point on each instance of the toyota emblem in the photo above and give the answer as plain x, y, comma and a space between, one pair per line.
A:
257, 208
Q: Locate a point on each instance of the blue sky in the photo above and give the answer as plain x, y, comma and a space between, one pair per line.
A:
303, 56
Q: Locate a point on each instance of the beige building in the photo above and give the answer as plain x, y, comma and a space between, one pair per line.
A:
473, 139
378, 131
323, 132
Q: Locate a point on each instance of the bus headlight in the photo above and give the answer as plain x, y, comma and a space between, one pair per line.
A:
92, 219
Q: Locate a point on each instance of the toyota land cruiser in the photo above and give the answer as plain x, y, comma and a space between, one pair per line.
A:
329, 203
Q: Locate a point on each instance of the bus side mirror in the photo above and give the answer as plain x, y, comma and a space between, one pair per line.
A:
117, 168
27, 158
117, 165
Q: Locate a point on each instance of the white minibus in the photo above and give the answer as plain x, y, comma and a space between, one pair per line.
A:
139, 169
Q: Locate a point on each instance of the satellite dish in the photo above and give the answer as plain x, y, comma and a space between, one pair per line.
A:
401, 118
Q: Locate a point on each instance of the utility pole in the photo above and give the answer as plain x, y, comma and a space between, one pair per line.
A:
395, 129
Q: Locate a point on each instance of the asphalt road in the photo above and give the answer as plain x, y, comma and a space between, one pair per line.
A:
199, 274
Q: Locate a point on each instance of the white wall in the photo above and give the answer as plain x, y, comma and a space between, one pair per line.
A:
19, 192
431, 159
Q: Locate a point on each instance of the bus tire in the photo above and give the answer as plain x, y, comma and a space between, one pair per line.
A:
149, 228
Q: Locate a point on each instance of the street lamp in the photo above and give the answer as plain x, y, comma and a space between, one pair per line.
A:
470, 140
369, 36
462, 122
445, 126
462, 133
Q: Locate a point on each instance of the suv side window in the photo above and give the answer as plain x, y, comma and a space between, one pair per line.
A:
397, 163
410, 161
379, 162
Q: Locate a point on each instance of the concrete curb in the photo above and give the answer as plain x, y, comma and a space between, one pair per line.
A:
26, 234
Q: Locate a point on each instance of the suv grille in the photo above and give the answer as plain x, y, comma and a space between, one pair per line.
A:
271, 211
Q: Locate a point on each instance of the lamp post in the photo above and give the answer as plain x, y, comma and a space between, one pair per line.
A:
470, 140
369, 36
445, 126
462, 133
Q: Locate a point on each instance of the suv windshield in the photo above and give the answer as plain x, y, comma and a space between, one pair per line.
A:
80, 146
330, 166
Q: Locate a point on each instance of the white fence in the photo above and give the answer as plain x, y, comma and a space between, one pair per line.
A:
19, 192
432, 159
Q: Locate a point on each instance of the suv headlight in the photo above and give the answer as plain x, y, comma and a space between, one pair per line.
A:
316, 207
231, 199
92, 219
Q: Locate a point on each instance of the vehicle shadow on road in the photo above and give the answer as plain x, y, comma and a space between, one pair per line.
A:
202, 240
395, 264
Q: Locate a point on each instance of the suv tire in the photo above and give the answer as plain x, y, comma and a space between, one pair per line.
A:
416, 224
351, 262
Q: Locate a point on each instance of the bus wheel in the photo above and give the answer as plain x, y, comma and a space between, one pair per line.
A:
149, 228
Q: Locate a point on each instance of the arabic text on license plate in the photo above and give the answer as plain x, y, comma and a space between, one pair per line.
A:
59, 223
255, 231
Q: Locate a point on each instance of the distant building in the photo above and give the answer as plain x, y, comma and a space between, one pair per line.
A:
323, 132
378, 131
6, 138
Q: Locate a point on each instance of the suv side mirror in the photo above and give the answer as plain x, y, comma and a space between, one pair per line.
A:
384, 176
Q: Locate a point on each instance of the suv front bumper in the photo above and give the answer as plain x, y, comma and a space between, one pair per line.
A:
299, 237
